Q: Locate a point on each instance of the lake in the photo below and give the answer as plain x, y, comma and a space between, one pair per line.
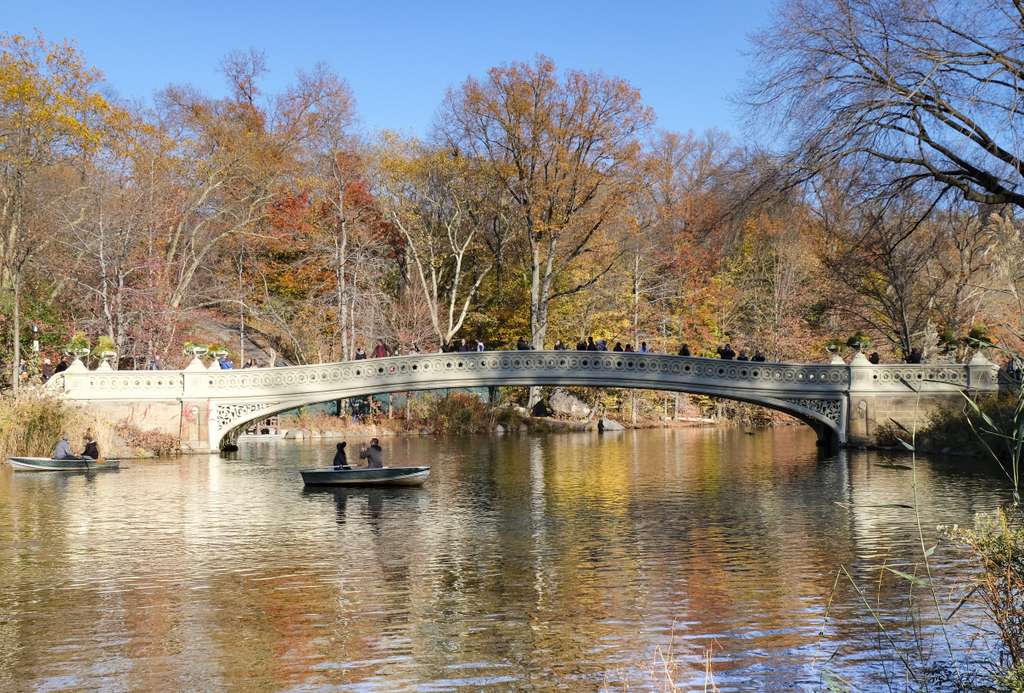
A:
527, 562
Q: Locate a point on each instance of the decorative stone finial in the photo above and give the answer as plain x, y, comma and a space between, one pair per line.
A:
979, 360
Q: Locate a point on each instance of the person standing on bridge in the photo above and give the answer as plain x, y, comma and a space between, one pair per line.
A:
380, 351
373, 455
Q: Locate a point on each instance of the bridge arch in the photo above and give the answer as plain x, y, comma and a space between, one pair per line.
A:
814, 394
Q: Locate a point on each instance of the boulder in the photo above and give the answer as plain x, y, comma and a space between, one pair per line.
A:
564, 404
499, 429
610, 425
295, 434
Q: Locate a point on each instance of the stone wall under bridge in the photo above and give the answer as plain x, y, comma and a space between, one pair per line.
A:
846, 404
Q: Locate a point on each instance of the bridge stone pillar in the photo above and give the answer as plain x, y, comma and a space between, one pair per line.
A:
884, 398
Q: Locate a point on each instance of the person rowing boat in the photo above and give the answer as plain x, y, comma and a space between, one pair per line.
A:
374, 455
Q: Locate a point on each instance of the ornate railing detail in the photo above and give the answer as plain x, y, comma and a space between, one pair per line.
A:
229, 416
831, 409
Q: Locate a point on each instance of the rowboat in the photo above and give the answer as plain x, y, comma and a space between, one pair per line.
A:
377, 476
46, 464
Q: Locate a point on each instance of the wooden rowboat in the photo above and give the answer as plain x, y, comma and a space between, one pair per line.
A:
378, 476
46, 464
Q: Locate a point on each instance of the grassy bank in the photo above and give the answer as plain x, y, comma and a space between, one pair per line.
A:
32, 422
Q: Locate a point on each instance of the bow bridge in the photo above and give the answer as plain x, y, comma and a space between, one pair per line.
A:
207, 407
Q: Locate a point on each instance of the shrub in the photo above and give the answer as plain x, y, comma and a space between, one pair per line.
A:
458, 413
996, 543
159, 444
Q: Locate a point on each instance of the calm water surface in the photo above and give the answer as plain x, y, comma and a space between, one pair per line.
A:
562, 562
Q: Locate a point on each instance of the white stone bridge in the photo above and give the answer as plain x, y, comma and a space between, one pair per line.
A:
844, 404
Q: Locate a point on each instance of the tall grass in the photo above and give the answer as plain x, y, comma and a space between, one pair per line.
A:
31, 423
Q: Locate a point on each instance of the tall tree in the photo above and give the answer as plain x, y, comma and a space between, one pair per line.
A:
932, 88
561, 146
428, 194
51, 112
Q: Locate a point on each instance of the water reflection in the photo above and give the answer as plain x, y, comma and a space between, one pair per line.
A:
525, 562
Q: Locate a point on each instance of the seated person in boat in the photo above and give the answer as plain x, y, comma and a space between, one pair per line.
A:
340, 457
62, 451
92, 450
373, 455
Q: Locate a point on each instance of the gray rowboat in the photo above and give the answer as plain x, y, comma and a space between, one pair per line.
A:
378, 476
45, 464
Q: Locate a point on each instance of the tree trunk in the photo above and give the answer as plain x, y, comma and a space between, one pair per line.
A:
540, 286
16, 334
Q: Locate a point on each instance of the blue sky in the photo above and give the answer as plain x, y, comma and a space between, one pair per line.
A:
687, 57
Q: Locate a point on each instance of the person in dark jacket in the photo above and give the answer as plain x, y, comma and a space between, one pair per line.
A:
360, 354
559, 346
340, 457
62, 366
629, 349
92, 450
373, 455
581, 345
521, 345
618, 346
684, 350
758, 356
591, 346
875, 358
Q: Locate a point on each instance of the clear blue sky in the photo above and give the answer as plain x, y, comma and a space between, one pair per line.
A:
686, 57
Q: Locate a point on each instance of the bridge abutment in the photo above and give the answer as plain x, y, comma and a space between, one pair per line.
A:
888, 400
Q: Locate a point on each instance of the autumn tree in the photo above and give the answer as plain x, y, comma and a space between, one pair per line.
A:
51, 113
561, 147
428, 194
877, 252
